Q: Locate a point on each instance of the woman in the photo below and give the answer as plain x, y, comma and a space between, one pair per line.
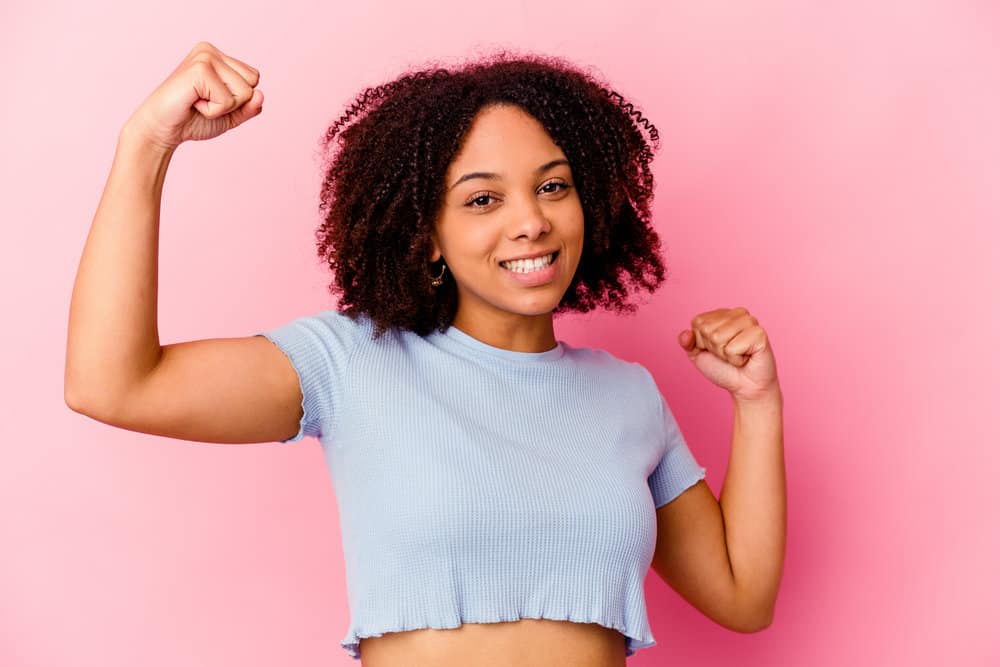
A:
502, 494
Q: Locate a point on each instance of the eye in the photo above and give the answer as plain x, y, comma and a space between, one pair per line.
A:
481, 200
562, 186
479, 197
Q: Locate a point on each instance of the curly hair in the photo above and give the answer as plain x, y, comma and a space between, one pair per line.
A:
384, 186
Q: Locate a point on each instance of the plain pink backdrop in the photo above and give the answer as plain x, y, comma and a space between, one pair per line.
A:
833, 167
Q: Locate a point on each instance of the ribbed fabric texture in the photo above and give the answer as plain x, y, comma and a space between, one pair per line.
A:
477, 484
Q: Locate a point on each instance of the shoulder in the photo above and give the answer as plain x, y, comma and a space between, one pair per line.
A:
335, 323
322, 336
631, 374
340, 319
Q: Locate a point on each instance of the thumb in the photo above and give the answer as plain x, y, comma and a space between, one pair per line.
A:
252, 107
687, 341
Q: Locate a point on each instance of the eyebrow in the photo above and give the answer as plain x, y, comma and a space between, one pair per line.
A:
493, 176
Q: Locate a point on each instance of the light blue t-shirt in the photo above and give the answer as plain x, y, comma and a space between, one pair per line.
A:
477, 484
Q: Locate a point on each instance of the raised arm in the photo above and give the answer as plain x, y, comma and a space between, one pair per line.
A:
219, 390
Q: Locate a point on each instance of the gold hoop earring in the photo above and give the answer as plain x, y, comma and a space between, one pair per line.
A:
436, 282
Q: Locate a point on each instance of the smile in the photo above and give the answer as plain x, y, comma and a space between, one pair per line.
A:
529, 265
532, 272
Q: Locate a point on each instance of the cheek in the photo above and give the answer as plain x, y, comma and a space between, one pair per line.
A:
579, 237
477, 245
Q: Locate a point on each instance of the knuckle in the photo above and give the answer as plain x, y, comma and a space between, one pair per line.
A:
253, 72
241, 93
201, 63
204, 71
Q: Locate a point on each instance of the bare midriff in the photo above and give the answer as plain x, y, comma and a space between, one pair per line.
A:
527, 642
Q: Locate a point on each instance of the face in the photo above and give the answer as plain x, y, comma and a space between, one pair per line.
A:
509, 194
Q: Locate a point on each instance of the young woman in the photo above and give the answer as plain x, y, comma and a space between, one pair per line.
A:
502, 493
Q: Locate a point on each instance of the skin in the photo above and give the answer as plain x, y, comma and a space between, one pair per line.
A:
521, 211
724, 556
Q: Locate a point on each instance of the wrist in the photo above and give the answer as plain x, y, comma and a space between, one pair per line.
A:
134, 137
771, 399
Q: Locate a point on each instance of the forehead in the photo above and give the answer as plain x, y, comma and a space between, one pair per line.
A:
504, 137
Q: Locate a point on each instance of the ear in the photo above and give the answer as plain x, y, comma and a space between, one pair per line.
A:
435, 248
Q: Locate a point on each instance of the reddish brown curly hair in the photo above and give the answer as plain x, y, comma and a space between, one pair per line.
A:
385, 183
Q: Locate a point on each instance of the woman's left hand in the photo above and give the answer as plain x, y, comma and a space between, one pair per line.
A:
731, 349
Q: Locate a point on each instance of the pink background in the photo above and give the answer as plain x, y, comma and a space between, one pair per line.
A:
832, 167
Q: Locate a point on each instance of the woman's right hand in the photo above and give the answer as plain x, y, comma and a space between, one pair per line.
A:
208, 94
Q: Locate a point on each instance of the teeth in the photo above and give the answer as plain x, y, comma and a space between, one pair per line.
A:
528, 265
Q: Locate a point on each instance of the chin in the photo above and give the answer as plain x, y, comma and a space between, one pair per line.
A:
540, 307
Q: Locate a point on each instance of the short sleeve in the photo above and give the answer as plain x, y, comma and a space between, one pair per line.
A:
319, 347
677, 470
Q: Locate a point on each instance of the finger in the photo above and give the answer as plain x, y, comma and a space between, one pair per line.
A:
235, 82
702, 325
701, 341
745, 344
686, 339
733, 338
717, 329
249, 74
216, 99
248, 110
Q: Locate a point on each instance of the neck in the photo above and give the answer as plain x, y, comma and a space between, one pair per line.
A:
518, 333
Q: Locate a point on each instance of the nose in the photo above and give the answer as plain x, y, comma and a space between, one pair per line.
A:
529, 222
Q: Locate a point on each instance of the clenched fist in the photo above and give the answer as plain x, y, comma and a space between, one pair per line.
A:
731, 349
206, 95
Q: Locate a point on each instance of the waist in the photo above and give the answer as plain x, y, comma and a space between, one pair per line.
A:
526, 642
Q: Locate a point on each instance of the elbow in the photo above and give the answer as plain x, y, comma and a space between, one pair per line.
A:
750, 612
756, 625
72, 399
73, 394
753, 620
752, 609
84, 403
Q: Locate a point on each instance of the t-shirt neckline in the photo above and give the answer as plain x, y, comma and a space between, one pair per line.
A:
459, 336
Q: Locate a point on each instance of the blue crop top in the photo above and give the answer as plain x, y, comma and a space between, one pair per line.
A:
477, 484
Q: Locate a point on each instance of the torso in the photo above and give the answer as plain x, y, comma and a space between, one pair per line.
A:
525, 643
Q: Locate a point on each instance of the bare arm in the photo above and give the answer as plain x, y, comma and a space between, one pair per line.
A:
726, 557
753, 501
218, 390
230, 390
113, 340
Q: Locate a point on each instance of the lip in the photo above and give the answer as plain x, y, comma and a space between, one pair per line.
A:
541, 253
535, 278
